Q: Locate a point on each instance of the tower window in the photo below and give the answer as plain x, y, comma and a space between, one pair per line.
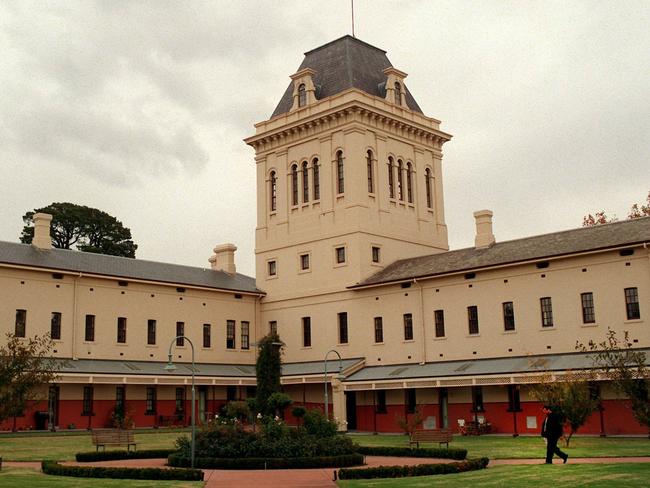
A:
151, 332
294, 185
400, 179
305, 183
408, 327
316, 177
274, 191
427, 186
302, 95
207, 335
340, 255
379, 329
89, 332
508, 316
55, 326
121, 330
340, 177
245, 335
273, 270
371, 182
343, 328
273, 327
409, 182
306, 331
391, 180
588, 312
439, 317
375, 254
472, 319
21, 323
547, 311
304, 262
632, 303
180, 334
398, 93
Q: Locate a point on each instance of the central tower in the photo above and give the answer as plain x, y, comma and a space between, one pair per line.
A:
349, 175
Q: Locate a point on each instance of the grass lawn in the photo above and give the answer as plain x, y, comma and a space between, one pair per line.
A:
506, 447
21, 478
542, 476
58, 447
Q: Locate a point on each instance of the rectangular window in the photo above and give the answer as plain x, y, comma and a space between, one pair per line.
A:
408, 327
375, 254
21, 323
180, 400
121, 330
306, 331
379, 329
120, 398
547, 311
632, 304
231, 393
150, 408
588, 312
411, 400
55, 326
89, 334
340, 255
343, 328
381, 401
87, 403
316, 176
514, 402
151, 332
245, 335
272, 268
439, 318
207, 329
304, 261
273, 327
180, 333
472, 319
230, 334
477, 399
508, 316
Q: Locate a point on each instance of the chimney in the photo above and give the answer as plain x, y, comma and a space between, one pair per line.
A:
42, 239
484, 236
224, 258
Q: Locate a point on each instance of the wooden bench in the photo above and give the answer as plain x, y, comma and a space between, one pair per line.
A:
441, 436
113, 437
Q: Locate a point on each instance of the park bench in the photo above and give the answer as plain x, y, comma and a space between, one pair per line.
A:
113, 437
441, 436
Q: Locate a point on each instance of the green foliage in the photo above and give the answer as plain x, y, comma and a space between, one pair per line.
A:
278, 401
430, 452
237, 410
269, 463
315, 423
115, 454
298, 412
268, 369
626, 367
88, 229
418, 470
54, 468
24, 365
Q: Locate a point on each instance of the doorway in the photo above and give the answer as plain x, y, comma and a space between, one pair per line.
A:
444, 406
351, 409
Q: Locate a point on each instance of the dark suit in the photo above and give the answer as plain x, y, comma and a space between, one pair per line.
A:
552, 431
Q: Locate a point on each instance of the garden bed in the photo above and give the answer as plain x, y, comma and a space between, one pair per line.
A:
344, 460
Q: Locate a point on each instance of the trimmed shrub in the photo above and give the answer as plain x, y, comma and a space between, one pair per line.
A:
54, 468
418, 470
91, 456
268, 463
423, 452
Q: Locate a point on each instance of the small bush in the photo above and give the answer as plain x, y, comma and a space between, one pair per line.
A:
423, 452
268, 463
92, 456
317, 425
54, 468
418, 470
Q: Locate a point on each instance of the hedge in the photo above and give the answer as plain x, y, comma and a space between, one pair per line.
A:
428, 452
418, 470
91, 456
268, 463
54, 468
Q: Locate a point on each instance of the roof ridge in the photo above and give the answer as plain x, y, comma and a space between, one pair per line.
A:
346, 37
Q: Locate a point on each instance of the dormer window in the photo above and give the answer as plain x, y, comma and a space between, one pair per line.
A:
304, 91
302, 95
395, 89
398, 94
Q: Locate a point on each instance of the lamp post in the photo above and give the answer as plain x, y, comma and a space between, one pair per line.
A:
170, 367
340, 374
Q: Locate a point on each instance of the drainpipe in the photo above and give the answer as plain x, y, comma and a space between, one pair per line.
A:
424, 336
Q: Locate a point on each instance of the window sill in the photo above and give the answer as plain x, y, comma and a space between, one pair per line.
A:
340, 265
542, 329
343, 344
443, 338
633, 321
121, 344
151, 346
591, 324
408, 341
378, 343
306, 347
272, 277
304, 271
473, 335
507, 332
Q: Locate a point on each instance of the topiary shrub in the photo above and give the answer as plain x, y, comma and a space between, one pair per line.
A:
418, 470
54, 468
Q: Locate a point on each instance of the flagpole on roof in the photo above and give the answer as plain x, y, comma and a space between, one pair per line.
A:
352, 2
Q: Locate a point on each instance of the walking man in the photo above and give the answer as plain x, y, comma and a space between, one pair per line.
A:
552, 431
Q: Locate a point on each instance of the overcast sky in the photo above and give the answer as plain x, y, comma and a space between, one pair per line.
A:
139, 108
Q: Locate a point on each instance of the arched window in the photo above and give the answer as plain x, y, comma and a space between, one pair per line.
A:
409, 182
371, 182
391, 181
427, 185
305, 182
274, 191
294, 184
400, 180
316, 176
398, 93
340, 177
302, 95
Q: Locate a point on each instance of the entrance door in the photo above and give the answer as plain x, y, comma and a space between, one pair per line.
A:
351, 409
203, 402
53, 407
444, 404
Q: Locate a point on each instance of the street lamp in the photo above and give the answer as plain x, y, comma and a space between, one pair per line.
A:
170, 367
340, 375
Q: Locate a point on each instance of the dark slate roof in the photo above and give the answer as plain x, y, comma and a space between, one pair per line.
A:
101, 264
477, 367
343, 64
624, 233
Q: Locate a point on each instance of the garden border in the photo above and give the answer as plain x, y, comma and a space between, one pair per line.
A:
417, 470
344, 460
56, 469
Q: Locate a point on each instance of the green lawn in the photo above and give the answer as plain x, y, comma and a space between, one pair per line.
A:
22, 478
59, 447
506, 447
531, 476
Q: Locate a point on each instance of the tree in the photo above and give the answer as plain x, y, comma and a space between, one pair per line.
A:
626, 368
268, 369
636, 212
24, 365
84, 228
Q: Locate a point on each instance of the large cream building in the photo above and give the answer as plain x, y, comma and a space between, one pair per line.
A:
351, 258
